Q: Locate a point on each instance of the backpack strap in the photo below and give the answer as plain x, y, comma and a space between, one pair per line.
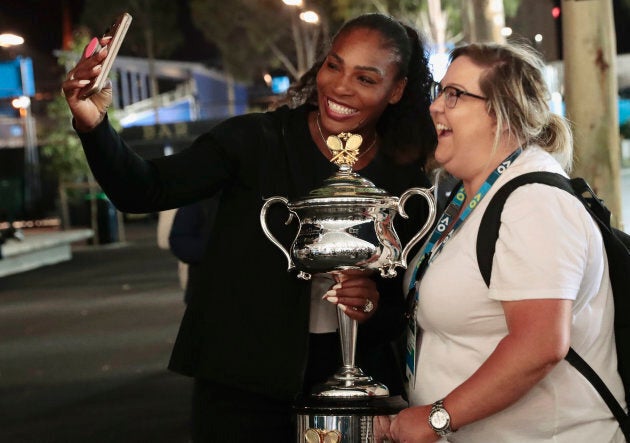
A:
486, 244
491, 220
585, 369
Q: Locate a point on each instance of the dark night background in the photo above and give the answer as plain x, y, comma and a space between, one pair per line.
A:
41, 25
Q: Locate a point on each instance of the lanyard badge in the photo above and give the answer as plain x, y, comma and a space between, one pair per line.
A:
440, 236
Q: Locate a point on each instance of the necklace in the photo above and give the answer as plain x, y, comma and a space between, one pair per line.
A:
345, 146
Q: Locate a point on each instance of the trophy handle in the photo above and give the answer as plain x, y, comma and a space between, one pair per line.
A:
263, 222
427, 193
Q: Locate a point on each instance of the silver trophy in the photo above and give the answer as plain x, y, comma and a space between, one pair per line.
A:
346, 224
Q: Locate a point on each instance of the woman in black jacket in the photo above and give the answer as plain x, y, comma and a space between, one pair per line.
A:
253, 336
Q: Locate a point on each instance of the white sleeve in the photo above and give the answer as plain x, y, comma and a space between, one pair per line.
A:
542, 249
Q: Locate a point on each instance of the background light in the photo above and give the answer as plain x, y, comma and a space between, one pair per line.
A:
22, 102
309, 17
555, 11
7, 40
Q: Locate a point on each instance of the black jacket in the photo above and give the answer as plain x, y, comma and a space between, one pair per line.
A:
246, 324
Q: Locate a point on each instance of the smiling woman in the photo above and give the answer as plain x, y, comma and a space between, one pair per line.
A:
549, 284
251, 321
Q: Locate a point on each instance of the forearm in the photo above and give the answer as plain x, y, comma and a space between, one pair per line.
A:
507, 375
512, 369
123, 175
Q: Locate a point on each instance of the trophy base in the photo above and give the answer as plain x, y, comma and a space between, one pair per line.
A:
350, 382
333, 420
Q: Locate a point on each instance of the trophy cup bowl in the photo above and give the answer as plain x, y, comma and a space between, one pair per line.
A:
348, 224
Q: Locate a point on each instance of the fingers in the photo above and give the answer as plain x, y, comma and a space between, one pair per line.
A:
88, 110
103, 98
355, 294
382, 432
394, 429
91, 48
87, 68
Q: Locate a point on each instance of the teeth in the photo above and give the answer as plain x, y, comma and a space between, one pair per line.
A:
340, 109
442, 127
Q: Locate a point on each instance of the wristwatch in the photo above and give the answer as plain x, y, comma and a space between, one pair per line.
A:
439, 419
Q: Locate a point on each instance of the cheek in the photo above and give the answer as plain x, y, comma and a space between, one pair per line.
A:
320, 79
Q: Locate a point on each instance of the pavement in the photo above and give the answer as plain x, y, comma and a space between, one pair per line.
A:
84, 346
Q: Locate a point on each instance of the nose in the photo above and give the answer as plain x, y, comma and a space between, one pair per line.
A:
342, 85
437, 105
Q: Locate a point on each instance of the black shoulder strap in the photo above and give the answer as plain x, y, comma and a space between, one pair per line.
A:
486, 242
585, 369
491, 220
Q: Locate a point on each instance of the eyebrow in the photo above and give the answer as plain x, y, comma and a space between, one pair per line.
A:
455, 85
359, 67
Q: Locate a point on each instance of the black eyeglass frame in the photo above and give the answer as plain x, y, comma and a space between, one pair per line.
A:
437, 90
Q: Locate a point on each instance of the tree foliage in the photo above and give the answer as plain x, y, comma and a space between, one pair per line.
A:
154, 28
241, 30
257, 34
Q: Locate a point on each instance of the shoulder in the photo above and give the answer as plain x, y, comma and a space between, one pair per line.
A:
532, 159
256, 124
539, 204
542, 207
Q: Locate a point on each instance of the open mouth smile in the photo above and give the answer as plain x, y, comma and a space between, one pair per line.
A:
339, 109
442, 129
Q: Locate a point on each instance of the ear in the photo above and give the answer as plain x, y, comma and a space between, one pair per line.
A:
397, 92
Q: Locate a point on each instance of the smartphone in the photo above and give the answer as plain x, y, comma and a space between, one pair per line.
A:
117, 31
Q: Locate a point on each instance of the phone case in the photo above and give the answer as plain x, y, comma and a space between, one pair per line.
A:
117, 30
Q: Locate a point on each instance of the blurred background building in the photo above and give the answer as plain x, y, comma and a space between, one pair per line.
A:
177, 75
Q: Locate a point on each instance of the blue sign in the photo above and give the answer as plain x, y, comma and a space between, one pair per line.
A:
624, 110
280, 84
16, 78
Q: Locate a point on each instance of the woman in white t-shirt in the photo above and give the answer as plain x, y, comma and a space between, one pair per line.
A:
488, 362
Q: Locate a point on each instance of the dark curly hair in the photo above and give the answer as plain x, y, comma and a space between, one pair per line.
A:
405, 128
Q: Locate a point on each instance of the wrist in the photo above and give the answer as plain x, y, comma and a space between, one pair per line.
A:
439, 419
83, 127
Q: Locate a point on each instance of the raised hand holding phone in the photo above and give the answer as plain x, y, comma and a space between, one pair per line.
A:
85, 87
112, 38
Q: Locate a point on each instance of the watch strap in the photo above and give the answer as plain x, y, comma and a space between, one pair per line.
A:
443, 431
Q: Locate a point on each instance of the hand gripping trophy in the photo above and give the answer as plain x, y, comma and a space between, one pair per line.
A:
346, 224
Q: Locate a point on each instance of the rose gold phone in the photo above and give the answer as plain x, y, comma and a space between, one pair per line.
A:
117, 31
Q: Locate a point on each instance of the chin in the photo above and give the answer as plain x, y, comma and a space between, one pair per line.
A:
440, 158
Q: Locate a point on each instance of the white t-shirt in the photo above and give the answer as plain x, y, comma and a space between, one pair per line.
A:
548, 247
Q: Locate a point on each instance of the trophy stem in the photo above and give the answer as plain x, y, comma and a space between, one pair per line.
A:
348, 336
349, 381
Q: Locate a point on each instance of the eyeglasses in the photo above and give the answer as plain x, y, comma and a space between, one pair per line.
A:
451, 94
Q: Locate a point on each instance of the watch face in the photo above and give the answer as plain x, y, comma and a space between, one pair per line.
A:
440, 419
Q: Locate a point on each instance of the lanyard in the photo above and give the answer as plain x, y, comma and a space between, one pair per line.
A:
451, 211
436, 241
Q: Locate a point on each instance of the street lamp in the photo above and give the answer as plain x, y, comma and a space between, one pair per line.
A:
31, 156
306, 34
7, 40
23, 86
309, 17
